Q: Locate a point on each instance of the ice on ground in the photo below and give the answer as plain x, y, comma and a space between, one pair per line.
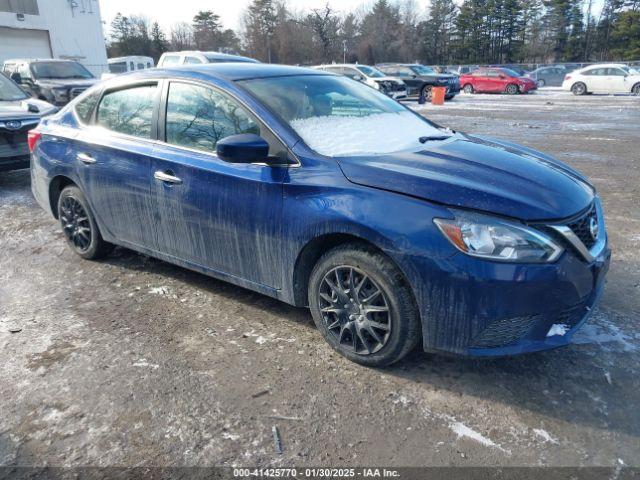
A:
603, 331
160, 290
369, 135
557, 329
144, 364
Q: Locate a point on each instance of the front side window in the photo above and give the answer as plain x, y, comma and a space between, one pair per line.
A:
198, 117
9, 91
60, 70
128, 111
370, 71
422, 70
617, 72
192, 60
336, 116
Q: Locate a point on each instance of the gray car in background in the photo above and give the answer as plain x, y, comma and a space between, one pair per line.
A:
548, 76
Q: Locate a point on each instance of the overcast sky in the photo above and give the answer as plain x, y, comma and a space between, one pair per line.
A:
167, 12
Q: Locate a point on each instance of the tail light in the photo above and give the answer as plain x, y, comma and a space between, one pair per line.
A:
567, 77
32, 138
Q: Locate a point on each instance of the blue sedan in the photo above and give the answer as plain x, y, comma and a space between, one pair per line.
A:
322, 192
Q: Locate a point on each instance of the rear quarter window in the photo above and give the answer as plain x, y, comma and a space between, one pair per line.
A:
86, 105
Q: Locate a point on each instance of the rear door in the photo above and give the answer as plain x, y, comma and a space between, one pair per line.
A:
113, 159
222, 216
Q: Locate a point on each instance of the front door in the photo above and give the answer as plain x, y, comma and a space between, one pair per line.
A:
114, 159
221, 216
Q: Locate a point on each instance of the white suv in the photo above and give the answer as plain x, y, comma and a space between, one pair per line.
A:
392, 86
603, 78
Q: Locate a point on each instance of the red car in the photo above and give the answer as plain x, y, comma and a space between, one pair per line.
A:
496, 80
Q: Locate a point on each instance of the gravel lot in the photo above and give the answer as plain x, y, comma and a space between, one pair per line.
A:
132, 361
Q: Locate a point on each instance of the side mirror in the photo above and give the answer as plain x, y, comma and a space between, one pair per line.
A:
502, 75
16, 77
243, 148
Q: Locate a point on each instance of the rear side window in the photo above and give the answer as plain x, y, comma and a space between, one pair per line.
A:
197, 117
192, 60
119, 67
84, 108
128, 111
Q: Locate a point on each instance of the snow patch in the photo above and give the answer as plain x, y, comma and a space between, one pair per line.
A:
160, 291
230, 436
558, 329
144, 364
603, 331
369, 135
461, 430
544, 435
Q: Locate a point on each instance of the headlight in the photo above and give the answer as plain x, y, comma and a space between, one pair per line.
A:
497, 239
376, 85
59, 93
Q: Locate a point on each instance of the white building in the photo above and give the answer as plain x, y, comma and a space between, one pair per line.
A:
67, 29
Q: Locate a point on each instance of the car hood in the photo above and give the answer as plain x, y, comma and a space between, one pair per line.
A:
388, 79
67, 82
19, 109
478, 173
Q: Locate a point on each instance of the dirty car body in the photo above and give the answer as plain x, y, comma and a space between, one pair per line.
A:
503, 249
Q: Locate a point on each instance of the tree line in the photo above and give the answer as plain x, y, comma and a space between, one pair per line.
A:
473, 32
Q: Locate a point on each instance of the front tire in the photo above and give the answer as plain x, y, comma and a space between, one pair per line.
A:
635, 90
541, 83
468, 89
512, 89
363, 306
579, 88
427, 92
79, 225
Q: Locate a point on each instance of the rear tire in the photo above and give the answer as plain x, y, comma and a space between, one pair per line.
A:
363, 306
579, 88
468, 89
541, 83
79, 225
635, 90
512, 89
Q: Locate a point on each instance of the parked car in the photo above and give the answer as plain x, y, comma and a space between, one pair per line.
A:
171, 59
604, 78
130, 63
54, 81
323, 192
18, 114
420, 79
547, 76
496, 80
392, 86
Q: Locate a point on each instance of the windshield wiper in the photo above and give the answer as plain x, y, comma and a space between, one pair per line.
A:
430, 138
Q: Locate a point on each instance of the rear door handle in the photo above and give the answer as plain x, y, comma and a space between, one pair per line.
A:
166, 177
86, 158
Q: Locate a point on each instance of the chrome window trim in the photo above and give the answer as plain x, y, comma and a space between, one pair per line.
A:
601, 242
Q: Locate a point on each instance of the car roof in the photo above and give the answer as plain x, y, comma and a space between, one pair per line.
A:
32, 60
228, 71
127, 57
604, 65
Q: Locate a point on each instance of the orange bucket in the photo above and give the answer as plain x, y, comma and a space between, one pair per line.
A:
437, 95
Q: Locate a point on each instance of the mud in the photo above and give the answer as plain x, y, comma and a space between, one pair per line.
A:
132, 361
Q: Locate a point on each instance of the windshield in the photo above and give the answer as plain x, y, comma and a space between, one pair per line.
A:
336, 116
59, 70
511, 73
631, 71
422, 70
9, 91
370, 71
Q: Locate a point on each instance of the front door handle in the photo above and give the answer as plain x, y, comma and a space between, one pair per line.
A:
86, 158
166, 177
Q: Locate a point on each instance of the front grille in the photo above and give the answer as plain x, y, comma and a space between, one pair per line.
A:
581, 227
506, 331
74, 92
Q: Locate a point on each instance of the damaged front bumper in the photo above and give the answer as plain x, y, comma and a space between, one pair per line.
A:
488, 309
